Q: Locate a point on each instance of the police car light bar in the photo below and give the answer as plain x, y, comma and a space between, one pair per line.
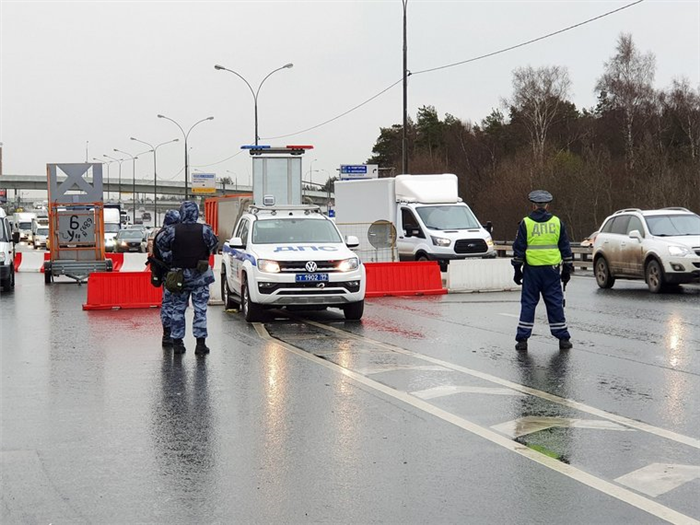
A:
269, 150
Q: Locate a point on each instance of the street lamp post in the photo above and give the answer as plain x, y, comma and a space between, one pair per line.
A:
256, 92
185, 135
133, 181
155, 174
120, 174
235, 176
106, 164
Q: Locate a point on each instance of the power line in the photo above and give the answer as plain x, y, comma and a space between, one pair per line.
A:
500, 51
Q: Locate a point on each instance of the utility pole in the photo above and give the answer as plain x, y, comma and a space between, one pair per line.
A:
404, 140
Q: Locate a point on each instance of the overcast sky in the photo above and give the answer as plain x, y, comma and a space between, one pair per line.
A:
84, 77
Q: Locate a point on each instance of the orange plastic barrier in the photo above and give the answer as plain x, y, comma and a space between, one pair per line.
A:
404, 278
109, 290
117, 260
34, 258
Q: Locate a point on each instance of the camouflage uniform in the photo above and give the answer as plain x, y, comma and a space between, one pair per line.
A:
166, 310
196, 284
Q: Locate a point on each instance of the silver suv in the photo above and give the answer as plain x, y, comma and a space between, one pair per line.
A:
660, 246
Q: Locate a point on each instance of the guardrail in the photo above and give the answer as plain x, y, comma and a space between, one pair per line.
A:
583, 255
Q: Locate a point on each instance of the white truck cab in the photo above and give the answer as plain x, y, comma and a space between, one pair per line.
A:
291, 257
7, 263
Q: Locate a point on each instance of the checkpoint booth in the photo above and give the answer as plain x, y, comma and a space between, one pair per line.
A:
76, 222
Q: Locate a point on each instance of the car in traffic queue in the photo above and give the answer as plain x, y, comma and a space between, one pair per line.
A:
291, 257
661, 247
41, 235
131, 240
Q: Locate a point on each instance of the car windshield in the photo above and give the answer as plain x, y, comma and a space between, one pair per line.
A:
295, 230
111, 227
42, 231
448, 217
25, 226
673, 225
131, 234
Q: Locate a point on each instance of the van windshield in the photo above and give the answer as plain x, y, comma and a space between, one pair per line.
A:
442, 217
280, 231
25, 226
111, 227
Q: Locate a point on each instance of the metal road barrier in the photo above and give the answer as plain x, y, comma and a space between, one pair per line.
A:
583, 256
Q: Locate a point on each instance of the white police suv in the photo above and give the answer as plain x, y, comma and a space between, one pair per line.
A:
291, 257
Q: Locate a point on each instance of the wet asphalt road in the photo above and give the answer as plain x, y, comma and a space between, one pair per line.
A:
415, 415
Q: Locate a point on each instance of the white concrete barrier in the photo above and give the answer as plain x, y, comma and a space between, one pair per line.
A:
215, 287
31, 262
480, 275
134, 262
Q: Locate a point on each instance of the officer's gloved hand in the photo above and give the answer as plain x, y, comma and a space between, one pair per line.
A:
566, 271
518, 274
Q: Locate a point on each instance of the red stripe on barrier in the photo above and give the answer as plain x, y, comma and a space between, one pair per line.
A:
404, 278
117, 260
109, 290
18, 260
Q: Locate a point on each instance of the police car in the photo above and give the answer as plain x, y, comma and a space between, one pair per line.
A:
291, 257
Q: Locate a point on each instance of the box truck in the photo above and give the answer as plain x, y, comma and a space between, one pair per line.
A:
427, 219
22, 222
112, 224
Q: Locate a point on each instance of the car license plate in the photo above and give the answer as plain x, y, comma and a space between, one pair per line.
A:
311, 277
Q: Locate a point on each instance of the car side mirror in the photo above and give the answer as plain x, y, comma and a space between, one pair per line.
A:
488, 226
351, 241
236, 242
15, 237
634, 234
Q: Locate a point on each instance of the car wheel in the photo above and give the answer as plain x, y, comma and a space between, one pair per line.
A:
354, 311
226, 295
602, 273
654, 276
252, 312
9, 283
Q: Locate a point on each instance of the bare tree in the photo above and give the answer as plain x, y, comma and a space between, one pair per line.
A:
684, 103
537, 97
627, 85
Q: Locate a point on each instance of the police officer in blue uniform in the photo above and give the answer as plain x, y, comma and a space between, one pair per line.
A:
172, 217
540, 249
187, 246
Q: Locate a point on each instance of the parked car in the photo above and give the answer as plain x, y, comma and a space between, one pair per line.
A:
662, 247
131, 240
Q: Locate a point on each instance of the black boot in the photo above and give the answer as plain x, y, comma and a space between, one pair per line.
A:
565, 344
178, 346
201, 348
521, 345
167, 340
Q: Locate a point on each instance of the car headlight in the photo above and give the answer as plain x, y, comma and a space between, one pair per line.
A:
349, 265
489, 242
441, 241
679, 251
268, 266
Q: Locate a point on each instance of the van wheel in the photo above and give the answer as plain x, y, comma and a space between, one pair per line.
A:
252, 312
422, 257
354, 311
602, 273
654, 276
9, 283
229, 303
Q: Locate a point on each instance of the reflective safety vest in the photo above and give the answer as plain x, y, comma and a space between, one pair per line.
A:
543, 242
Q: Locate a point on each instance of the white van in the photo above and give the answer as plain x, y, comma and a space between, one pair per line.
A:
7, 263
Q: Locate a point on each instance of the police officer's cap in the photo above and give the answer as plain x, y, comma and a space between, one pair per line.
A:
540, 197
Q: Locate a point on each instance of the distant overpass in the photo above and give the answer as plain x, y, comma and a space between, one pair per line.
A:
111, 188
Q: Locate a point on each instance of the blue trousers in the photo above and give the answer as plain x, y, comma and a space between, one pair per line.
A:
544, 280
200, 298
166, 308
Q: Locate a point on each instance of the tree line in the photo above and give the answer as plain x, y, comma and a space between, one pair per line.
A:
639, 147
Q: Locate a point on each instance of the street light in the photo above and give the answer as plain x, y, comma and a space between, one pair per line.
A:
235, 175
155, 176
106, 164
120, 174
254, 93
187, 164
133, 181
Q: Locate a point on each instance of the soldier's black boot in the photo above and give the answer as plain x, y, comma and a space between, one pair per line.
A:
201, 348
167, 340
521, 345
178, 346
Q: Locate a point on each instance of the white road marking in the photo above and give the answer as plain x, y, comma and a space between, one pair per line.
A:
606, 487
379, 369
659, 478
510, 315
527, 425
644, 427
448, 390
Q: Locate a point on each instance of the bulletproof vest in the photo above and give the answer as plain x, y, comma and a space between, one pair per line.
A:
188, 246
543, 242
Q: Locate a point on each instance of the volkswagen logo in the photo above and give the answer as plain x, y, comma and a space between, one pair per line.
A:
311, 266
